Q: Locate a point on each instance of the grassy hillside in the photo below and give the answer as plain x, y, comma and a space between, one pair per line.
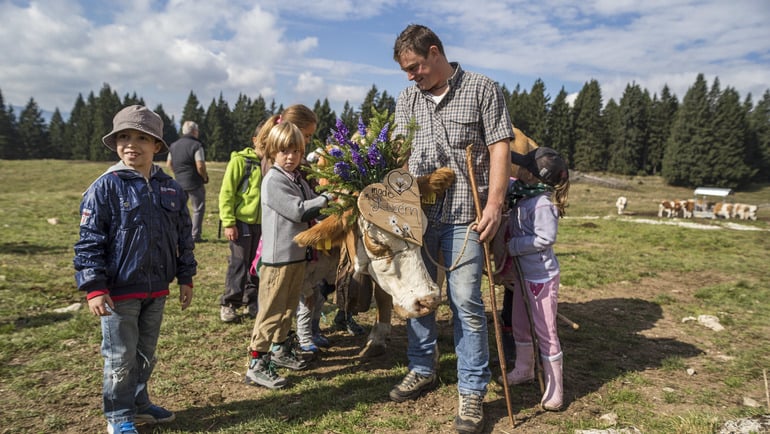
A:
630, 282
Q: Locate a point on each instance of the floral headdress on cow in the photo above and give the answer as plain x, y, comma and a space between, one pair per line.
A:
348, 163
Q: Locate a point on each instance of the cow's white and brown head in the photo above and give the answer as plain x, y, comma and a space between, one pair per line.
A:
386, 237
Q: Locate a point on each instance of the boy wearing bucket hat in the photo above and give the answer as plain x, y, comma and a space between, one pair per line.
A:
135, 239
537, 199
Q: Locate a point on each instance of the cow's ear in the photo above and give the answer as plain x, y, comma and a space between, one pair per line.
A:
331, 229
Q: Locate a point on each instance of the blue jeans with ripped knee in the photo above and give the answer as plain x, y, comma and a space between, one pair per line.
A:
129, 338
468, 315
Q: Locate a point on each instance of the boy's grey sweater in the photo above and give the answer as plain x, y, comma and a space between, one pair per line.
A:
288, 205
535, 223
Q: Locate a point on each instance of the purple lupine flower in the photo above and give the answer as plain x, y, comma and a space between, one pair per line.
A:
383, 136
341, 133
342, 169
375, 157
336, 152
361, 127
358, 160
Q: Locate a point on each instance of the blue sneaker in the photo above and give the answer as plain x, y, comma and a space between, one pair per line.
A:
311, 348
122, 428
154, 414
321, 341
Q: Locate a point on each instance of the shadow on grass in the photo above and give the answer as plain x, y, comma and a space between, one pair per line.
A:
24, 248
607, 345
27, 322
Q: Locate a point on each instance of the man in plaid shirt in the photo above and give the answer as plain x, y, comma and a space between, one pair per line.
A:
453, 108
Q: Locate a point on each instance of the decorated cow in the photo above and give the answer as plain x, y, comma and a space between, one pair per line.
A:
377, 216
384, 242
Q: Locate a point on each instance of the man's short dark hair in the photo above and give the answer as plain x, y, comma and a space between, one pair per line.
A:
418, 39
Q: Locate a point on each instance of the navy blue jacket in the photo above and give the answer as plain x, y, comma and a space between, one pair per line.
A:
135, 235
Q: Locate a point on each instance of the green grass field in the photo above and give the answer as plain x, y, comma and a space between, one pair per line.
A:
628, 281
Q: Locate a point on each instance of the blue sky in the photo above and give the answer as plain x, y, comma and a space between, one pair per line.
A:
304, 50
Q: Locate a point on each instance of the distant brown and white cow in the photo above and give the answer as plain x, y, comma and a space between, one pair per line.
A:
723, 209
744, 211
688, 207
670, 208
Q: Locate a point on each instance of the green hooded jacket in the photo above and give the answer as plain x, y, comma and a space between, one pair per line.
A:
237, 200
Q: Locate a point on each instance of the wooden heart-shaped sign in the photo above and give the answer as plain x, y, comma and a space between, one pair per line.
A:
394, 205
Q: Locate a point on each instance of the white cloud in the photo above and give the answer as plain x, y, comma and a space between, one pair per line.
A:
304, 50
308, 83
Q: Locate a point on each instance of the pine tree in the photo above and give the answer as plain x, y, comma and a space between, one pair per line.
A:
662, 114
759, 124
78, 131
516, 104
193, 111
33, 133
685, 160
613, 120
629, 148
327, 119
220, 137
7, 131
349, 117
170, 134
727, 155
57, 135
132, 99
243, 123
537, 104
386, 103
105, 107
590, 130
259, 113
369, 103
559, 127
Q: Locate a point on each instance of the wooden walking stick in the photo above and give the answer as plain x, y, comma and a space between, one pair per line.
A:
569, 322
490, 279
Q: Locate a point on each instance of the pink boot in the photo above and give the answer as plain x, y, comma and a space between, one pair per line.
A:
524, 368
553, 396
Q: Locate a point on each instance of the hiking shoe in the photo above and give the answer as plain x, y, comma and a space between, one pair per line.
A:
345, 322
228, 314
253, 309
262, 372
285, 356
154, 414
308, 353
470, 414
127, 427
413, 386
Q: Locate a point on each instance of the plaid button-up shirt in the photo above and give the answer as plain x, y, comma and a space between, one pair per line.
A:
472, 112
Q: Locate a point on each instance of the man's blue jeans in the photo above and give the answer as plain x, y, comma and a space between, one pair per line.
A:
464, 295
129, 338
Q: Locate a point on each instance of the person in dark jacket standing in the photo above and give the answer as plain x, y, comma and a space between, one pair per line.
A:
134, 241
187, 160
